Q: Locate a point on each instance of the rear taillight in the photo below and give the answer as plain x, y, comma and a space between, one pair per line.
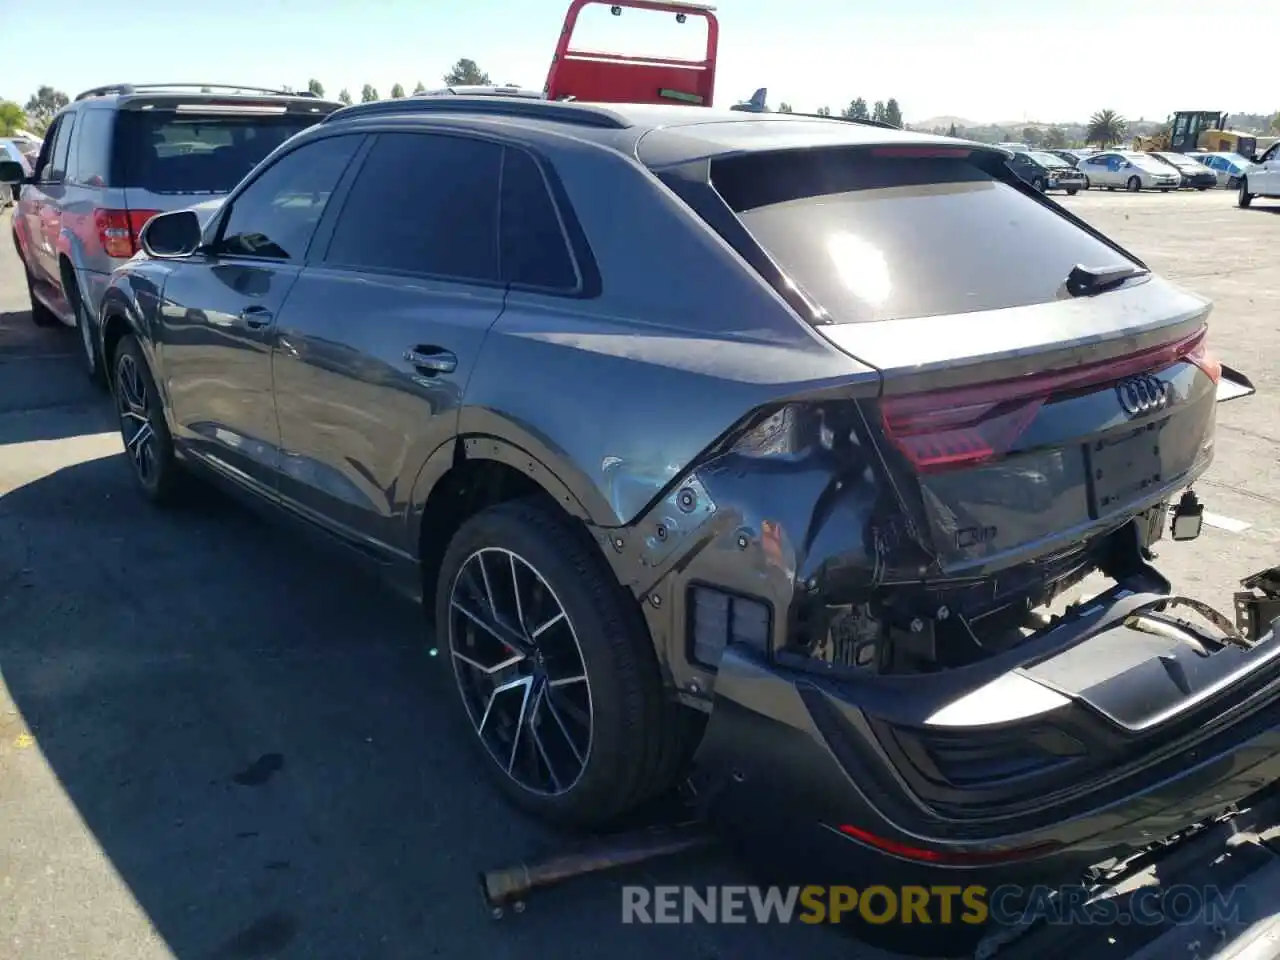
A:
967, 426
118, 230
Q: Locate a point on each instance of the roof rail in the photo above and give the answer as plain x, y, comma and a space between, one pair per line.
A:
489, 105
123, 89
865, 121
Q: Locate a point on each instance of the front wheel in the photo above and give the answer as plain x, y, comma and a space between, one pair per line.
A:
1039, 184
555, 669
1071, 191
41, 315
1133, 185
1244, 197
147, 443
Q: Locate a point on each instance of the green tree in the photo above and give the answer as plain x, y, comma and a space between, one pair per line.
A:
43, 105
877, 112
893, 112
784, 108
368, 94
856, 110
12, 118
1054, 138
1105, 128
344, 96
466, 73
824, 111
1275, 122
397, 92
419, 88
316, 87
952, 131
1031, 136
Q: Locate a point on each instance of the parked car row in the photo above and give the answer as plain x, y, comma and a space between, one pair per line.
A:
686, 432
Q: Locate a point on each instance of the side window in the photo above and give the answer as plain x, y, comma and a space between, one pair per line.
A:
534, 250
41, 167
62, 149
1273, 154
423, 203
93, 145
275, 216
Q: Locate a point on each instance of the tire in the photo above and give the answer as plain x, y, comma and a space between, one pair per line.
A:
1133, 185
41, 315
90, 352
1038, 184
1087, 184
1111, 189
1165, 189
1071, 191
148, 445
1244, 197
637, 741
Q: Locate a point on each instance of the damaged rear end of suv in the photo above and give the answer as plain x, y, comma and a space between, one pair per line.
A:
853, 414
864, 579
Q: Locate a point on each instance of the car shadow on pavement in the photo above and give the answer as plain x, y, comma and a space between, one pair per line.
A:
259, 743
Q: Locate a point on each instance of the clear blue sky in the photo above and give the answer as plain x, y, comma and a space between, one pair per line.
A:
988, 60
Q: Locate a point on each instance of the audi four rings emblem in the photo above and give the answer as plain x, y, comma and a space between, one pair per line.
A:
1145, 394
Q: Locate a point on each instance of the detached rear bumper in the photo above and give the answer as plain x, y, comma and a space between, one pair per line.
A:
898, 778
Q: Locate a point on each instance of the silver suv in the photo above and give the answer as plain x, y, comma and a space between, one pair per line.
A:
118, 155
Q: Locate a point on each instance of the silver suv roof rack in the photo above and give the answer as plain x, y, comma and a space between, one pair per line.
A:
526, 108
124, 89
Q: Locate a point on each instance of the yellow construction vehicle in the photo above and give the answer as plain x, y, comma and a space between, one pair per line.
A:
1198, 130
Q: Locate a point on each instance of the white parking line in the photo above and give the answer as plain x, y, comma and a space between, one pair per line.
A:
1230, 524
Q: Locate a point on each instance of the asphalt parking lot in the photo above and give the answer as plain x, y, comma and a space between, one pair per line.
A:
216, 743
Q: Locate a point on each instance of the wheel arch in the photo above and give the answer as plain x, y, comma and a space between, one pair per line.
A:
469, 474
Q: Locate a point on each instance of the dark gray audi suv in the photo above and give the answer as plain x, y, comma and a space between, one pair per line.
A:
756, 448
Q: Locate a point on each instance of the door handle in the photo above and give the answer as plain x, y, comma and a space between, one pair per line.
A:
431, 360
255, 318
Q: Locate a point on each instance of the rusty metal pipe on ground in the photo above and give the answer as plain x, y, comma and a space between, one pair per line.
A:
510, 885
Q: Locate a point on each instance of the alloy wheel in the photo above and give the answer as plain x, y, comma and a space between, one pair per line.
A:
133, 403
521, 671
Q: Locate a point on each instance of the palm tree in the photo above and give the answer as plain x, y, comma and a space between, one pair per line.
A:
1105, 128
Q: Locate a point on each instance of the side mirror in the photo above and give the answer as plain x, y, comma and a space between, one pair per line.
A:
11, 173
169, 236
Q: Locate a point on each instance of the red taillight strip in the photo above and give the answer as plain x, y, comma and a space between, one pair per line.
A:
955, 858
969, 425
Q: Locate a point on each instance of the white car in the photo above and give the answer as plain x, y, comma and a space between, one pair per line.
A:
19, 151
1262, 179
1131, 171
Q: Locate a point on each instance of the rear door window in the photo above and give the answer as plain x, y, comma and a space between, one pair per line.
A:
275, 216
170, 152
426, 204
93, 148
534, 248
887, 237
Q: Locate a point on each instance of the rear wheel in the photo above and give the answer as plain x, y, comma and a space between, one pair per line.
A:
555, 670
90, 355
1244, 197
1133, 185
1071, 191
147, 443
1039, 184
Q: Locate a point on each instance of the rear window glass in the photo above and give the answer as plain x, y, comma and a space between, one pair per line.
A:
882, 239
169, 152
